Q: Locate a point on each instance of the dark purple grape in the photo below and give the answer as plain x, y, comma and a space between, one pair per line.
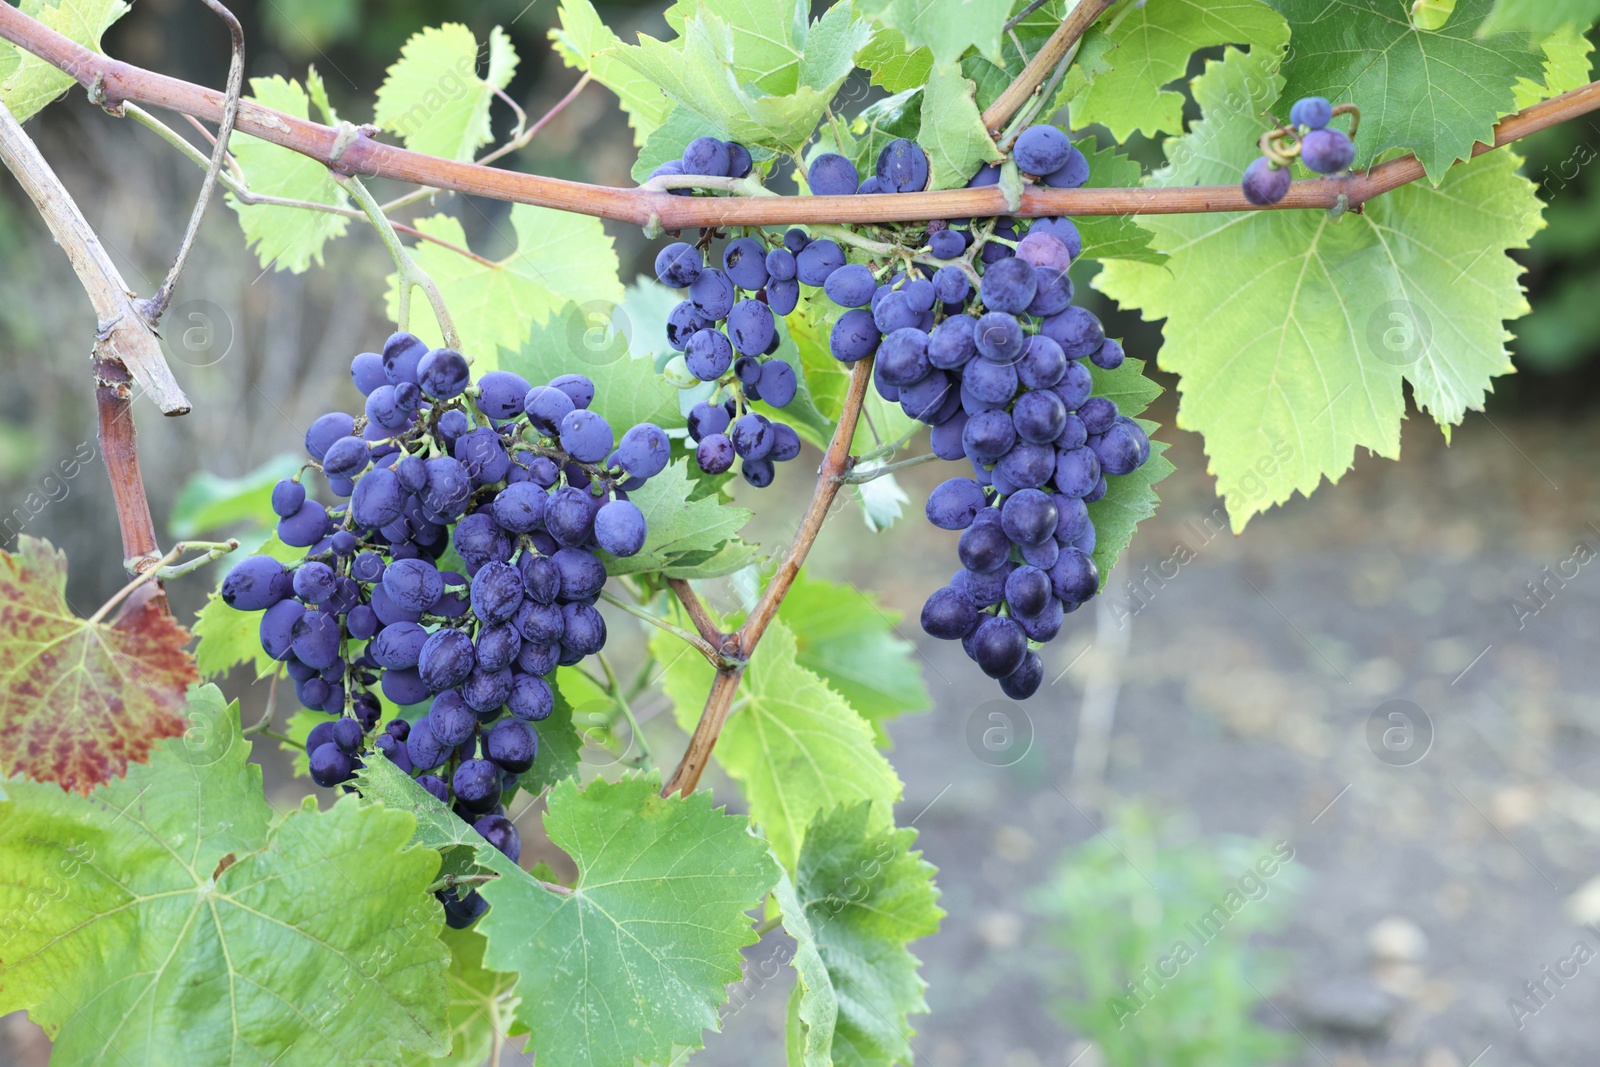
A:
1043, 364
795, 239
999, 338
1040, 416
1077, 331
894, 312
305, 527
585, 629
582, 575
752, 436
499, 832
501, 394
1028, 517
1098, 413
366, 370
476, 784
644, 450
949, 614
540, 623
445, 660
1074, 578
619, 527
706, 419
1041, 150
413, 584
485, 691
255, 584
585, 436
1118, 449
785, 444
780, 265
1327, 151
778, 383
745, 262
1008, 286
783, 295
402, 355
1265, 183
1312, 112
854, 337
314, 582
712, 294
947, 244
579, 388
378, 500
398, 645
443, 373
330, 766
903, 357
953, 342
347, 734
751, 327
988, 436
739, 162
953, 503
1063, 228
682, 323
678, 265
287, 496
496, 592
1027, 590
1024, 467
520, 507
1023, 682
831, 174
530, 698
1071, 174
278, 627
819, 259
983, 547
715, 453
851, 286
326, 430
902, 167
998, 646
706, 157
1108, 356
992, 382
513, 745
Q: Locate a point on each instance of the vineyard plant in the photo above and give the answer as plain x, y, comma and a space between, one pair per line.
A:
872, 226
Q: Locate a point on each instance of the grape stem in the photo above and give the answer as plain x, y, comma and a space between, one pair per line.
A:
858, 474
118, 81
263, 724
701, 645
719, 703
408, 273
646, 760
698, 615
1066, 37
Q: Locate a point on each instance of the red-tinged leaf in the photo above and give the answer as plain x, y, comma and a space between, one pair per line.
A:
80, 700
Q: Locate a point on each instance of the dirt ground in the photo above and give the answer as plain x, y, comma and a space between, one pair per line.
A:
1239, 690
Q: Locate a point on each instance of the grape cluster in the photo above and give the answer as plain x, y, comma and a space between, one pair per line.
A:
528, 485
1319, 146
980, 340
726, 328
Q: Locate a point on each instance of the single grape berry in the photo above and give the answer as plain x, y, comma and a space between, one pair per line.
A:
1265, 183
1312, 112
1327, 151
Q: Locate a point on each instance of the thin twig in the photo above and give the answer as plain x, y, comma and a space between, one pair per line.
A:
408, 273
647, 760
148, 574
1073, 27
156, 306
720, 701
697, 611
264, 723
857, 474
701, 644
370, 157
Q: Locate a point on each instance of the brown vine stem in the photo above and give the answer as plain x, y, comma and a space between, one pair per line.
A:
697, 612
719, 703
367, 157
1072, 28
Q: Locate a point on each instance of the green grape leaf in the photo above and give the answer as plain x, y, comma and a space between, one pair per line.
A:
559, 745
210, 502
1432, 92
481, 1004
591, 340
946, 30
1113, 236
857, 646
732, 78
796, 746
1130, 498
1147, 47
687, 538
1540, 16
560, 257
286, 238
895, 65
635, 957
957, 143
433, 97
168, 917
1566, 67
82, 699
585, 43
1293, 332
227, 637
29, 83
859, 897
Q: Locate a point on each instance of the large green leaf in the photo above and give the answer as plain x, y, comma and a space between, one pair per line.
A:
559, 257
1566, 67
859, 897
210, 502
686, 538
1432, 92
28, 83
586, 43
1113, 236
1294, 331
955, 140
1540, 16
893, 64
856, 646
793, 743
945, 27
168, 917
1146, 47
287, 238
746, 85
433, 96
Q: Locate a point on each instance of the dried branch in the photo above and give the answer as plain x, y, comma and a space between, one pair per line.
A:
1072, 28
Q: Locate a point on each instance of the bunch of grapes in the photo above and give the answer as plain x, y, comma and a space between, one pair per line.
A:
980, 340
726, 329
528, 485
1323, 149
